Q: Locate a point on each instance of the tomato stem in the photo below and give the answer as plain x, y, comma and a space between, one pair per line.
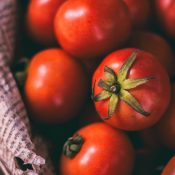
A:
20, 71
72, 146
116, 87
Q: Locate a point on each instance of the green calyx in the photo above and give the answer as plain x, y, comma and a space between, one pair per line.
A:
72, 146
20, 71
116, 87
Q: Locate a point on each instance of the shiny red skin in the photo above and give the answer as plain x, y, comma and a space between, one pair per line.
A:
165, 10
88, 29
140, 11
153, 96
39, 20
156, 45
56, 86
165, 127
105, 151
170, 167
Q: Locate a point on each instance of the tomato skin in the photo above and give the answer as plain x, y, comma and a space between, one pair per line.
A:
105, 151
165, 127
170, 167
165, 10
40, 17
156, 45
153, 96
140, 12
55, 88
89, 29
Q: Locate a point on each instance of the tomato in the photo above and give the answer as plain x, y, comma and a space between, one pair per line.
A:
97, 149
39, 19
165, 127
55, 88
131, 89
140, 12
88, 29
170, 167
156, 45
165, 10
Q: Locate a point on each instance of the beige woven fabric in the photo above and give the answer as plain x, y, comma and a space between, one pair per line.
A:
15, 137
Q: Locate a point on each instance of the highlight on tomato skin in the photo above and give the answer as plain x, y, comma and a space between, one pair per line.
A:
39, 20
156, 45
131, 89
89, 29
97, 149
56, 87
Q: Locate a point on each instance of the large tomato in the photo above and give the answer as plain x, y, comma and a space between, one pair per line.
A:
170, 167
97, 149
140, 11
165, 10
88, 29
165, 127
56, 86
156, 45
131, 89
40, 17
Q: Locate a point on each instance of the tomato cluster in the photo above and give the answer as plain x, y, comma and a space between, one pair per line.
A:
103, 72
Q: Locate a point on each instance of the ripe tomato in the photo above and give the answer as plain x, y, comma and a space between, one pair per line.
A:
170, 167
156, 45
97, 149
140, 12
55, 88
88, 29
131, 89
165, 127
166, 15
40, 17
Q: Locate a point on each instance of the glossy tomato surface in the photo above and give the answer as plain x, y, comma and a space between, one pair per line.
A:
105, 151
88, 29
153, 96
55, 88
39, 20
157, 45
165, 10
140, 11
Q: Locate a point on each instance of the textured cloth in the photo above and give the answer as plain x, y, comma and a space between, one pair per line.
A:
15, 134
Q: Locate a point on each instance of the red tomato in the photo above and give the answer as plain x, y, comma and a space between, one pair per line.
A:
55, 88
156, 45
131, 89
88, 29
140, 11
97, 149
165, 10
165, 127
40, 17
170, 167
